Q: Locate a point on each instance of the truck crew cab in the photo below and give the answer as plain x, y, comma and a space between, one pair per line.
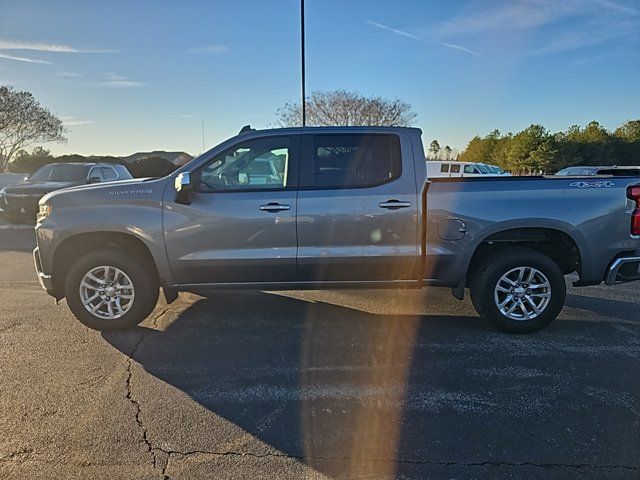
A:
332, 208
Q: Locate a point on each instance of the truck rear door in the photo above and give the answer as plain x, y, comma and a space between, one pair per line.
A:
357, 208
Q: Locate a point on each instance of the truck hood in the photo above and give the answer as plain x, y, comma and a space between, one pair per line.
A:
33, 188
104, 186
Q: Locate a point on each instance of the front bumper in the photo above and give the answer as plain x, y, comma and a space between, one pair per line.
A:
27, 213
623, 270
14, 205
45, 280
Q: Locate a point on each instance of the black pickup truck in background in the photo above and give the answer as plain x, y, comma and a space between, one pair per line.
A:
19, 201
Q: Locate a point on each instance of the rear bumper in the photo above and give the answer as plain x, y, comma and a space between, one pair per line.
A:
623, 270
46, 282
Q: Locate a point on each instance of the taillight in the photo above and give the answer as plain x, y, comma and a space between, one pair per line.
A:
634, 194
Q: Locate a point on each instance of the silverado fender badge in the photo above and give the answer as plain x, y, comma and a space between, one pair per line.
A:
137, 191
598, 184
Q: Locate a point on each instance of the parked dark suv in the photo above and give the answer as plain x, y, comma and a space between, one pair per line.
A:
19, 201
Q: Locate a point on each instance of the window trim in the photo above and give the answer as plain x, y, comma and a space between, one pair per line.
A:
292, 174
306, 170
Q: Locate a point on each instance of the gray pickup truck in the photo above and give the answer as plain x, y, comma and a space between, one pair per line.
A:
341, 207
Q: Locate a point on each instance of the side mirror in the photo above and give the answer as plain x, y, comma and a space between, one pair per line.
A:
183, 188
94, 180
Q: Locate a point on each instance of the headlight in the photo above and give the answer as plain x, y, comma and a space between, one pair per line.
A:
44, 212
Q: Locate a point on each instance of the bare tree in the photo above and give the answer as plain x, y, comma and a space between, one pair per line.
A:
344, 108
23, 122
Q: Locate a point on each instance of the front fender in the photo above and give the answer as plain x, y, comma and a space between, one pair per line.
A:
101, 211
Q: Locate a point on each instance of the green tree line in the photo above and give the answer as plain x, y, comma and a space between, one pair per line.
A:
535, 149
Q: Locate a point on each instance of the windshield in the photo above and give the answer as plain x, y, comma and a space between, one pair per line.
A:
60, 173
483, 168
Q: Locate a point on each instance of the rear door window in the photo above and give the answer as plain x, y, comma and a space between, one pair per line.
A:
455, 168
351, 161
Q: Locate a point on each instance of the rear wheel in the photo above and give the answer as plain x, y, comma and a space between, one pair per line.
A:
519, 291
111, 290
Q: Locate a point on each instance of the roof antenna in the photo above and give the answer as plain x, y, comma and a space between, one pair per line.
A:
203, 147
245, 129
302, 49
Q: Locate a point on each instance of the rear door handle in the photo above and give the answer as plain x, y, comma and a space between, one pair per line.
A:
394, 204
274, 207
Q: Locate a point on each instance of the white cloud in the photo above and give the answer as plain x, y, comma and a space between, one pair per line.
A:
568, 24
47, 47
406, 34
120, 84
71, 121
595, 32
115, 80
209, 50
617, 7
459, 47
519, 14
394, 30
69, 74
24, 59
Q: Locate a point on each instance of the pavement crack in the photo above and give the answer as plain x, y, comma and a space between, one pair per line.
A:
136, 404
160, 314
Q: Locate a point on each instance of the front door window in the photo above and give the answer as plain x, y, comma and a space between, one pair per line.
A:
259, 164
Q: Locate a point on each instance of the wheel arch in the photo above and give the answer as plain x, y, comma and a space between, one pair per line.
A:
563, 245
80, 244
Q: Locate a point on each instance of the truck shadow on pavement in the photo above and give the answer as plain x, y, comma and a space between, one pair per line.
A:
605, 307
353, 394
318, 382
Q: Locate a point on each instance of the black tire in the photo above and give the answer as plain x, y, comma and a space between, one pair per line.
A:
496, 265
142, 276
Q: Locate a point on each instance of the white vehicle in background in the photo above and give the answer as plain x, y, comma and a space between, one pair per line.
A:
446, 168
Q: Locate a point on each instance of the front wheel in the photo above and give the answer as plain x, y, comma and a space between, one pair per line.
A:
520, 290
111, 290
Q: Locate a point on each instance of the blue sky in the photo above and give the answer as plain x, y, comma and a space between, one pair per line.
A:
129, 76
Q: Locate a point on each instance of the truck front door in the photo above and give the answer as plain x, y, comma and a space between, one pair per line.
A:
241, 223
357, 208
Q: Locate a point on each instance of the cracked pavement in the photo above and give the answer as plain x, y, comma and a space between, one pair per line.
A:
317, 385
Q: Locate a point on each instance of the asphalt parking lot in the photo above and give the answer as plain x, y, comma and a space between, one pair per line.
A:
334, 385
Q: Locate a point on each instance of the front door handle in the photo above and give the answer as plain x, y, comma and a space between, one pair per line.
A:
274, 207
394, 204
